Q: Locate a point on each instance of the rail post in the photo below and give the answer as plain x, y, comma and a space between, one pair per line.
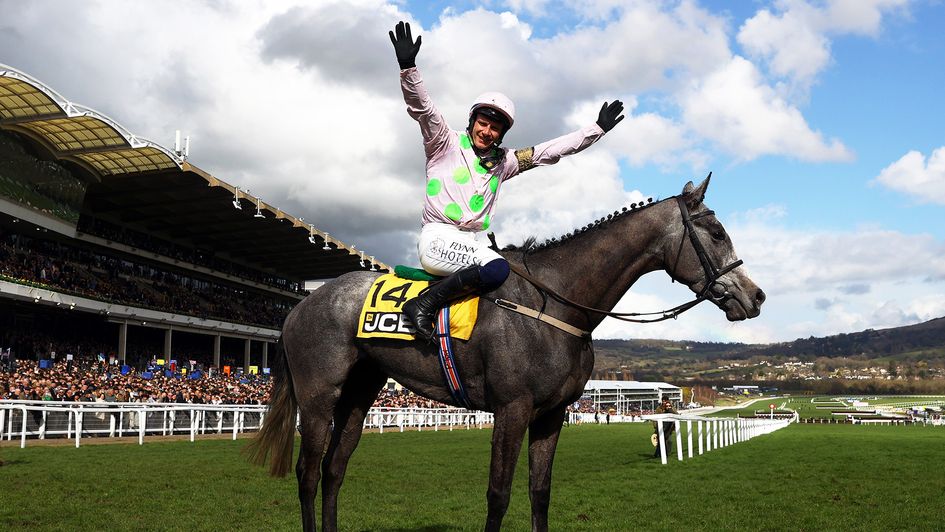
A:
79, 418
23, 432
142, 425
677, 426
689, 441
661, 442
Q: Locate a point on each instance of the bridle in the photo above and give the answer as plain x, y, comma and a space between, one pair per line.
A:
712, 276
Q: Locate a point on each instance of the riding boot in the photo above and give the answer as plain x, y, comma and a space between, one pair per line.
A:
422, 309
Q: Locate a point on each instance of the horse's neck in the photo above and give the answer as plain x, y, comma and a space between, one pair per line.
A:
597, 267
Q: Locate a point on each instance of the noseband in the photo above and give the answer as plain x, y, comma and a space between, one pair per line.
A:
712, 276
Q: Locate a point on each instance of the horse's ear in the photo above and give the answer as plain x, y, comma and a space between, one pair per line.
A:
695, 195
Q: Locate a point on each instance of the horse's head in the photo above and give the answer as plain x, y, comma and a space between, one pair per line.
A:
701, 255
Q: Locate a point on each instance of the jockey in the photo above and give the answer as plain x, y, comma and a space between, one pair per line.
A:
464, 172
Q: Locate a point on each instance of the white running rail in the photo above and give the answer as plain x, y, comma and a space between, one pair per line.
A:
713, 432
42, 420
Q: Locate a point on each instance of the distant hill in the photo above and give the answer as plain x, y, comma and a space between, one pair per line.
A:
871, 343
924, 340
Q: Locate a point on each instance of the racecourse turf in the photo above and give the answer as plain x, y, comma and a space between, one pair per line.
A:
804, 477
822, 407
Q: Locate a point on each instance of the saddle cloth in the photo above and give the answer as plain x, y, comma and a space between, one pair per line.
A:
381, 315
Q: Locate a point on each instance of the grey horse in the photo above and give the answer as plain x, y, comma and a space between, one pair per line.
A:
524, 371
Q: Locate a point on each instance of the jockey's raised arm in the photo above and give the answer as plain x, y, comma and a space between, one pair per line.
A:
420, 107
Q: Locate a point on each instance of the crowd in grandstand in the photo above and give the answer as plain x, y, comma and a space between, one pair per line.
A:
87, 379
402, 398
124, 235
83, 272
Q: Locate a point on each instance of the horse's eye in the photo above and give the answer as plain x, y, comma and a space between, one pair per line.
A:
718, 233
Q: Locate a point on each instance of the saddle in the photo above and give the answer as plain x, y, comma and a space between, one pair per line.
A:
381, 315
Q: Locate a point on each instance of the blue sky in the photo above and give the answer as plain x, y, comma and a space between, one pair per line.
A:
820, 120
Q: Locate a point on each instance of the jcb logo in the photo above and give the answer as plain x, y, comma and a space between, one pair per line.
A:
388, 322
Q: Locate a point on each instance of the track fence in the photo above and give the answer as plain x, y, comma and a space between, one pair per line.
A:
385, 418
704, 434
41, 420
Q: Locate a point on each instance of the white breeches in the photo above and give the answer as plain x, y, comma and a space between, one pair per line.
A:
445, 249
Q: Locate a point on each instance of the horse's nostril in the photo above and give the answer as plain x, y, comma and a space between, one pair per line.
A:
760, 296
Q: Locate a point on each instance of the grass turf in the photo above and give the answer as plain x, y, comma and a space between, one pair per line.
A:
804, 477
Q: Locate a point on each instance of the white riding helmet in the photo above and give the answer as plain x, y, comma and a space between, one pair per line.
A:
494, 101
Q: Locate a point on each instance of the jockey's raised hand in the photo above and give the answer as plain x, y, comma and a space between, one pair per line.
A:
404, 45
609, 115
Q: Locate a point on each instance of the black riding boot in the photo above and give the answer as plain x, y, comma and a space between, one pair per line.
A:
421, 310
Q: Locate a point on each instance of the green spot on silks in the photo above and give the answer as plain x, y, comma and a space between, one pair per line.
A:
494, 184
453, 212
461, 175
476, 203
434, 186
486, 223
479, 168
464, 141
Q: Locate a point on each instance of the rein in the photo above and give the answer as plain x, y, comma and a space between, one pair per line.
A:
712, 276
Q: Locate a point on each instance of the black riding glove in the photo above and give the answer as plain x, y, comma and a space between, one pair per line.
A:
404, 45
610, 115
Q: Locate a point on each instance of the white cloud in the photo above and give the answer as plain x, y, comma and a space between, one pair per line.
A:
648, 46
797, 261
535, 8
759, 215
734, 108
794, 40
913, 175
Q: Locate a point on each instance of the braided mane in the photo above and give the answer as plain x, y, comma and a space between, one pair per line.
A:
531, 243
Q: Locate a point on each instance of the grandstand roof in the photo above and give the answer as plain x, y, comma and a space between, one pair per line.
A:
628, 385
141, 185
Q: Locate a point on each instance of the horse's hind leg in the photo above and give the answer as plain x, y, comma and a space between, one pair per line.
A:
315, 429
357, 396
542, 441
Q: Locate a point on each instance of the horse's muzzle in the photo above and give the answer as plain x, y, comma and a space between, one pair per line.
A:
739, 304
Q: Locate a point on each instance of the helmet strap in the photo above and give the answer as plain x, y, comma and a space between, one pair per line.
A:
492, 159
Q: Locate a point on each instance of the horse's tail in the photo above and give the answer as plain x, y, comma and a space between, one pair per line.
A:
276, 438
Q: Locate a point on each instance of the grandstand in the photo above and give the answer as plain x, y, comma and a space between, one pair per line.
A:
629, 396
112, 246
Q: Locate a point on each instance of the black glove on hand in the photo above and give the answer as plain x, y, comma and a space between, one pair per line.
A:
404, 45
610, 115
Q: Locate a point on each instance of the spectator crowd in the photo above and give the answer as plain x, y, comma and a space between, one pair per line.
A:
87, 379
130, 237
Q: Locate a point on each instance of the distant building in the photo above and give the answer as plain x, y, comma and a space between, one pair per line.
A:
630, 396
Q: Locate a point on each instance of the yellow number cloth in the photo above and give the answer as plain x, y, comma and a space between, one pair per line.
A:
381, 315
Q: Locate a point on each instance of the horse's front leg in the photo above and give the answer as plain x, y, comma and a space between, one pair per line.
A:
510, 423
542, 442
